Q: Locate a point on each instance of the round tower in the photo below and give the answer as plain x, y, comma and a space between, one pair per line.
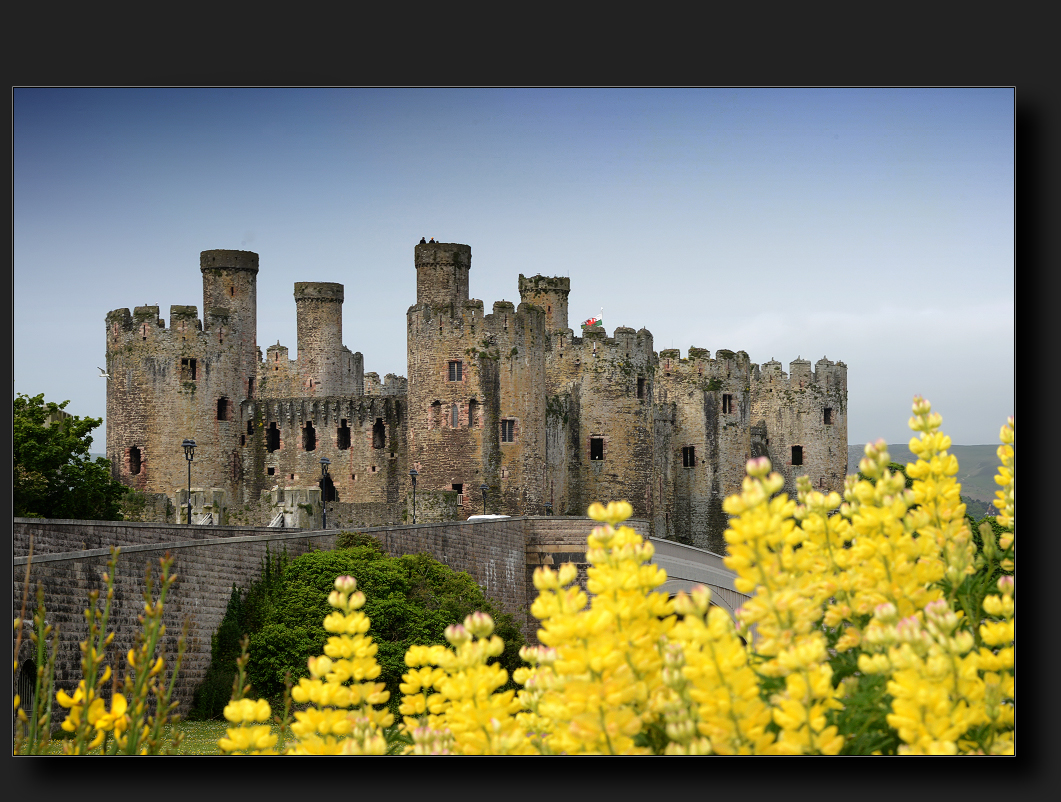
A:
550, 293
230, 307
319, 306
442, 273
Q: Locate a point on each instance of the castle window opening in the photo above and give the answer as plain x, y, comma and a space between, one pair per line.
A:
243, 439
270, 471
373, 469
640, 386
342, 436
828, 416
187, 370
379, 434
727, 403
508, 431
473, 413
232, 291
353, 477
688, 456
309, 437
134, 460
456, 371
596, 448
797, 455
250, 427
250, 387
454, 416
222, 408
272, 437
435, 420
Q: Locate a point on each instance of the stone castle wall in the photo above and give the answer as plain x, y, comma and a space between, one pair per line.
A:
70, 557
508, 399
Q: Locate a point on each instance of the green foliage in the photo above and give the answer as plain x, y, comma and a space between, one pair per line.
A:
409, 599
54, 477
349, 540
894, 467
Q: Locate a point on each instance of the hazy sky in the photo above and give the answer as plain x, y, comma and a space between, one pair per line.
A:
869, 226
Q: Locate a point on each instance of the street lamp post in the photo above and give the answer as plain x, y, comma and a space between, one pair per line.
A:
484, 487
412, 475
189, 454
548, 508
325, 462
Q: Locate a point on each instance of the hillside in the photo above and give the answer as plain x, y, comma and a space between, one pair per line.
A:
977, 466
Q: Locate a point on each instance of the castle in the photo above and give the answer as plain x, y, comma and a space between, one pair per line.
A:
512, 399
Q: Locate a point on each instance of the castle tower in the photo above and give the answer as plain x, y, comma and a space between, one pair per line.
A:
230, 308
185, 381
325, 366
550, 293
442, 273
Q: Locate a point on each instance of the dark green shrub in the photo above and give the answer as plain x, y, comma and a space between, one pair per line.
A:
409, 599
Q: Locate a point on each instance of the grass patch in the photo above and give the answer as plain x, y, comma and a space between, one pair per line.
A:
200, 738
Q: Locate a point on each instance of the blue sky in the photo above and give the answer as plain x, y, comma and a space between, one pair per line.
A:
873, 226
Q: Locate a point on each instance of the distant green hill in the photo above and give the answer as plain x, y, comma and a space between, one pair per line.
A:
976, 472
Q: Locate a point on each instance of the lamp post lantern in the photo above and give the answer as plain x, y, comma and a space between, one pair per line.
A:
325, 462
189, 454
548, 508
412, 475
484, 487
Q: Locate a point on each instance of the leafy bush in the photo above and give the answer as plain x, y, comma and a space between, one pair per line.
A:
411, 600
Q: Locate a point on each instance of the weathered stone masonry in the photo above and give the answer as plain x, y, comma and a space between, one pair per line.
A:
508, 399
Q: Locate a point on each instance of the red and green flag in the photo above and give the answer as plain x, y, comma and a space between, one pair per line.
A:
595, 322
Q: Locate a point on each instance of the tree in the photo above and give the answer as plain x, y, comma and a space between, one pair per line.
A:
54, 477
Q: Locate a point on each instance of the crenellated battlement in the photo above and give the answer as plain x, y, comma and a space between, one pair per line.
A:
728, 368
827, 376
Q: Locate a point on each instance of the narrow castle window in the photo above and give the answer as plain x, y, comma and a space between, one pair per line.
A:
379, 434
243, 439
473, 413
272, 438
828, 416
688, 456
250, 387
455, 416
797, 455
640, 386
434, 421
508, 431
232, 291
188, 370
342, 438
250, 427
222, 408
309, 437
456, 371
134, 460
596, 448
727, 403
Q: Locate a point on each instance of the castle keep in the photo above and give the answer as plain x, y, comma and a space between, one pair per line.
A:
511, 399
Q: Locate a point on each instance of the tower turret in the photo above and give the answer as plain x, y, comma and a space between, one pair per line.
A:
325, 366
550, 293
442, 273
230, 309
